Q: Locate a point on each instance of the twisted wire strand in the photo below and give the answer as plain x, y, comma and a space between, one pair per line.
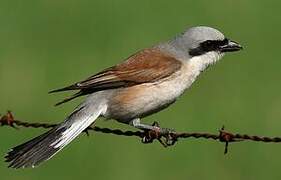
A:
150, 136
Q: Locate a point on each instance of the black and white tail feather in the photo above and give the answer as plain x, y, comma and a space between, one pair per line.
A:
45, 146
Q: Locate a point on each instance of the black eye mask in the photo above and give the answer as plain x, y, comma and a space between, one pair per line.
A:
207, 46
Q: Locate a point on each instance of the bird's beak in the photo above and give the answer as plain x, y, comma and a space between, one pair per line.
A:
230, 47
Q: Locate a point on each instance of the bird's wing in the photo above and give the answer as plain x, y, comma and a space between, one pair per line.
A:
145, 66
149, 65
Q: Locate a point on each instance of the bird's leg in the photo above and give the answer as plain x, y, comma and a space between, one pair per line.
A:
155, 132
137, 124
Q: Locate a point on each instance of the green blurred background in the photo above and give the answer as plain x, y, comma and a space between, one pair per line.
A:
46, 44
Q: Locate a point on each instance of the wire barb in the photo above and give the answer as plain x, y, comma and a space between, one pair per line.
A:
170, 137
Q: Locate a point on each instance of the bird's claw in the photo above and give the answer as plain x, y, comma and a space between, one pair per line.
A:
87, 132
8, 119
164, 135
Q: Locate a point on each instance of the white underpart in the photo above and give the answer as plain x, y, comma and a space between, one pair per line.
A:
200, 63
191, 69
80, 121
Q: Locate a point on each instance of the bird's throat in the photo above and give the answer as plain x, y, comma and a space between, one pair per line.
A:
200, 63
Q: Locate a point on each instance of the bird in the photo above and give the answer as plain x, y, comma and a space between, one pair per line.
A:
143, 84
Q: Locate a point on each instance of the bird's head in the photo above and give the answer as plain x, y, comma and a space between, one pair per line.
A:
205, 44
200, 40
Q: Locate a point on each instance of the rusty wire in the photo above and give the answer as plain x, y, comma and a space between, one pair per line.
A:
170, 138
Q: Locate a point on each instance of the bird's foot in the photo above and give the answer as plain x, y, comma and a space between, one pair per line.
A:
8, 119
164, 135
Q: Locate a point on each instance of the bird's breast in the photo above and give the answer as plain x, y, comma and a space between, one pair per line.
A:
147, 98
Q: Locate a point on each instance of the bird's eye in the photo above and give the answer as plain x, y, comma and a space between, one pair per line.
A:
224, 42
208, 43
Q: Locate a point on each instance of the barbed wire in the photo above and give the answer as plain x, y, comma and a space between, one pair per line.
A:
166, 138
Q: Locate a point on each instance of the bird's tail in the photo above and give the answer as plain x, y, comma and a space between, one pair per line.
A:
43, 147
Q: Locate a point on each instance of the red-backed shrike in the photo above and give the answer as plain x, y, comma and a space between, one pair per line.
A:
147, 82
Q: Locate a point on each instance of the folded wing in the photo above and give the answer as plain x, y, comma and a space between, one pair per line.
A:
149, 65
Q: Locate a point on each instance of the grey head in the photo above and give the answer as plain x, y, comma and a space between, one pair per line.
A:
200, 40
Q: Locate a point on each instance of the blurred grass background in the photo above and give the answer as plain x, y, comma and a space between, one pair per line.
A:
46, 44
